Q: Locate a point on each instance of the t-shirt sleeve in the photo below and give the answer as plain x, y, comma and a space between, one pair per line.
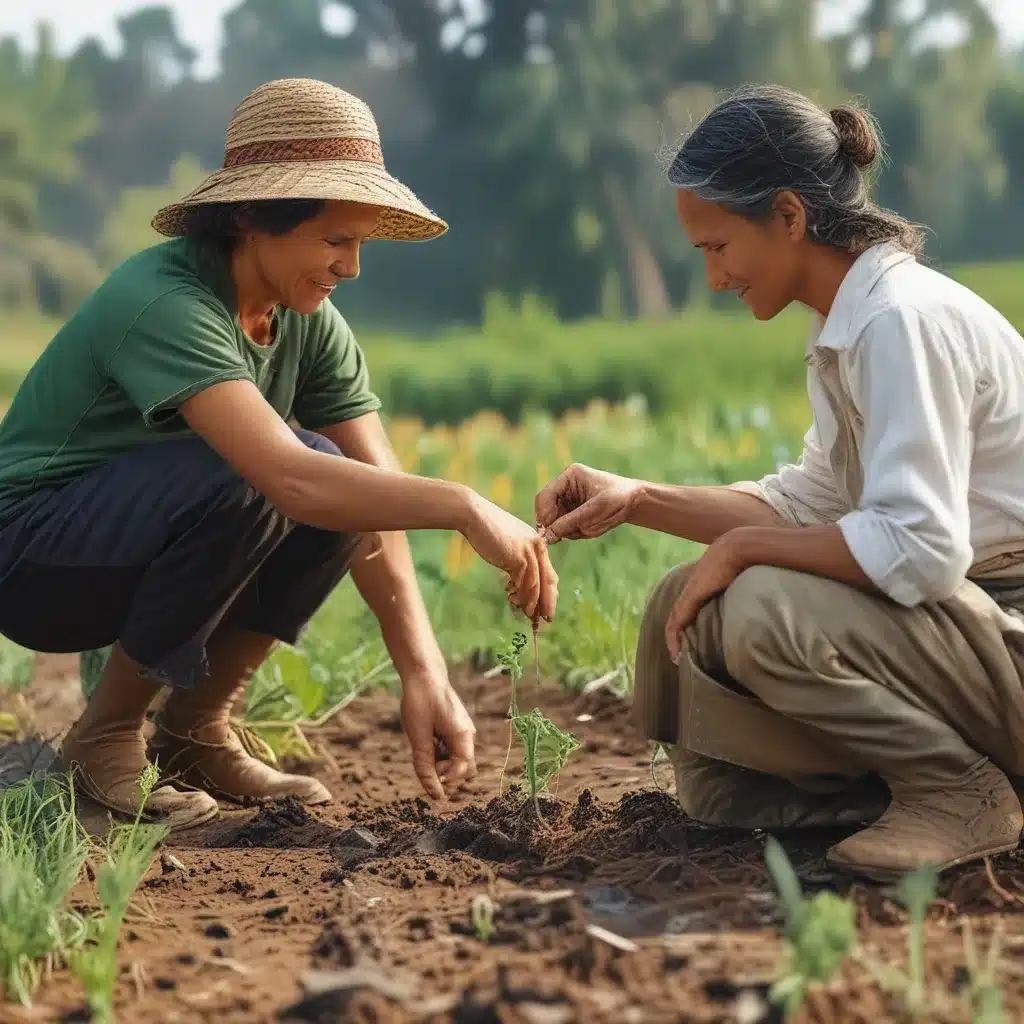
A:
179, 345
335, 383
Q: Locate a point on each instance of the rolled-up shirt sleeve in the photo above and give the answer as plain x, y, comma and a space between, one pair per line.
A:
803, 493
910, 532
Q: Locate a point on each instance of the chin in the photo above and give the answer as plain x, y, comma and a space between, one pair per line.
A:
763, 311
307, 304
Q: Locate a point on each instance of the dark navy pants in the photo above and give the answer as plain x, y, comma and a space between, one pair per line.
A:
154, 550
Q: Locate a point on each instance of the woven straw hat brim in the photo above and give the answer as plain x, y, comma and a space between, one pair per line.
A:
403, 216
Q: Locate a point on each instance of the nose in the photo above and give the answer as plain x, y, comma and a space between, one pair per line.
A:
718, 280
346, 265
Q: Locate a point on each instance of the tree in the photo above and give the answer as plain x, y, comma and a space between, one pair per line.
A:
44, 115
612, 86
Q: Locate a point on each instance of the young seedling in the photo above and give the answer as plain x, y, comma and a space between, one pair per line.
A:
984, 998
546, 748
42, 851
819, 931
482, 912
130, 849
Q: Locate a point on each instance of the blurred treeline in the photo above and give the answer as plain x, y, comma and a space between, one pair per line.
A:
538, 128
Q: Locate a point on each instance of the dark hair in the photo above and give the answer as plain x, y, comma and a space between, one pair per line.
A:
225, 223
762, 140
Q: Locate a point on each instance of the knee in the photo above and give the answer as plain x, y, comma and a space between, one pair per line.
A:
317, 442
753, 609
761, 612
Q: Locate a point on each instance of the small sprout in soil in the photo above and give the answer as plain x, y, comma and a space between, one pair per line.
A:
820, 931
129, 851
482, 912
546, 748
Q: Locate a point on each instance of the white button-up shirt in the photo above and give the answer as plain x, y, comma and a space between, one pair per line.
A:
916, 448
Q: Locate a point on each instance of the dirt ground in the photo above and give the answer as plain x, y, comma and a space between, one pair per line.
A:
614, 910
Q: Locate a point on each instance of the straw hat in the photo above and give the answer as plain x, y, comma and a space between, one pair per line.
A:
297, 138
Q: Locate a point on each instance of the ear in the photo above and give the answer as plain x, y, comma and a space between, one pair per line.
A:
789, 208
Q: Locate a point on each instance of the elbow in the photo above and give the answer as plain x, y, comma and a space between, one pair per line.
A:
291, 494
935, 576
946, 572
911, 564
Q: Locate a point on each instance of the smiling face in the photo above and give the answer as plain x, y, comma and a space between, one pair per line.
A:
762, 261
301, 268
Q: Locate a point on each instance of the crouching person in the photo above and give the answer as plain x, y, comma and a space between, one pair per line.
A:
154, 495
849, 650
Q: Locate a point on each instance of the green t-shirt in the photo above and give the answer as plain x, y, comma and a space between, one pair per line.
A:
161, 328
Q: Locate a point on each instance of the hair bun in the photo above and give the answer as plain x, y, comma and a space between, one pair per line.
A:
858, 138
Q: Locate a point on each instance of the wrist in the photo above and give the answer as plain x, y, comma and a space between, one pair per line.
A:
747, 544
461, 504
639, 502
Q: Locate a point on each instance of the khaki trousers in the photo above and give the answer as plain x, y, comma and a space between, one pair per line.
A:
796, 696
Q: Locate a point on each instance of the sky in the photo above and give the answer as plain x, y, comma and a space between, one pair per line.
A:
199, 21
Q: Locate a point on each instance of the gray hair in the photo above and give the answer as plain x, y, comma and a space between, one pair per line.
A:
762, 140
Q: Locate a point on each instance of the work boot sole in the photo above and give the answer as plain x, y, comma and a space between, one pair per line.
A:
887, 875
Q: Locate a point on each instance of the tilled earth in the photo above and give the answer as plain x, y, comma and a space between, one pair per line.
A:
610, 908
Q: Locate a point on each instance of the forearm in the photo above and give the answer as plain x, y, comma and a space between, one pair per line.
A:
386, 579
701, 514
324, 491
384, 572
815, 550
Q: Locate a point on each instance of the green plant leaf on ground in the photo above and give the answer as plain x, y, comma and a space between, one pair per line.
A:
42, 851
820, 931
129, 851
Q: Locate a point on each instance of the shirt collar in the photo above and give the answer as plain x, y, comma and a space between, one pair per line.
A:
836, 331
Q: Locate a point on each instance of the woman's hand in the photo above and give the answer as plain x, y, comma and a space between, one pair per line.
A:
504, 541
441, 735
582, 503
715, 570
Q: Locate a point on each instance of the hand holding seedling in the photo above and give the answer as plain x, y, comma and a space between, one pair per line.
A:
583, 503
510, 544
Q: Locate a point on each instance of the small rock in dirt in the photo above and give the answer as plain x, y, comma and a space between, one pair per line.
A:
217, 931
270, 894
275, 912
539, 1013
361, 838
165, 984
350, 857
169, 863
492, 845
429, 843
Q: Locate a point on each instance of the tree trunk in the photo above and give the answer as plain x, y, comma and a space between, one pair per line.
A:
650, 295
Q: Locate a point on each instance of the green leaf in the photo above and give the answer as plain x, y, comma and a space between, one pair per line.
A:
298, 680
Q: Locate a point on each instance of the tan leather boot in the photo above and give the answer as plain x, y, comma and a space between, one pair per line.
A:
942, 826
105, 750
193, 739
